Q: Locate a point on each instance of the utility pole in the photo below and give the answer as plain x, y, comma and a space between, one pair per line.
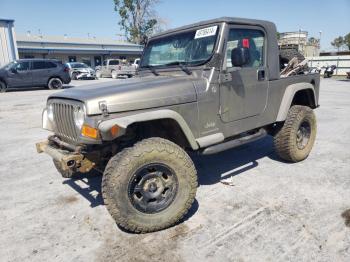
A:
299, 40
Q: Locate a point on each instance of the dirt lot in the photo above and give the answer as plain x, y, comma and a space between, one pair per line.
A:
249, 207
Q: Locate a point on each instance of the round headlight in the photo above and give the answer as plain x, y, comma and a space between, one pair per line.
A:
79, 117
50, 112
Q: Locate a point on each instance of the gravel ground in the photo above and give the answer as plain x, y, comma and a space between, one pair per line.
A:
249, 206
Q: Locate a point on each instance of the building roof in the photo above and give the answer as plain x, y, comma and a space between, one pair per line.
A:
38, 43
70, 40
6, 20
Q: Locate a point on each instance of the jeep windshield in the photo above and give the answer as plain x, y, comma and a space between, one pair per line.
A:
188, 48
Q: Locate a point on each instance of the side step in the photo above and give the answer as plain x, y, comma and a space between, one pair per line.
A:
234, 143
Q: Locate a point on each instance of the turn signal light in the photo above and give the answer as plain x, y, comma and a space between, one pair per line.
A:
89, 131
114, 131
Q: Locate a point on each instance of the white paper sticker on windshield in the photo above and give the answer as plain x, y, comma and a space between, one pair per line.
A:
205, 32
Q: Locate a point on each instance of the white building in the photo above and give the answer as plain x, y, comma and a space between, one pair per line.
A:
8, 48
299, 41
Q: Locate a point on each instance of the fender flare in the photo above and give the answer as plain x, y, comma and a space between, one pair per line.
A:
125, 121
288, 96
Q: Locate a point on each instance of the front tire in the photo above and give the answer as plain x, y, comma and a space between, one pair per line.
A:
74, 76
294, 141
98, 74
114, 74
150, 186
55, 83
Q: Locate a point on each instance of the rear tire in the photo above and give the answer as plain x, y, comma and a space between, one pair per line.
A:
294, 141
55, 83
3, 87
150, 186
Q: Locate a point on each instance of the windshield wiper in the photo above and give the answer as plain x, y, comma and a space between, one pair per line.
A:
150, 67
181, 65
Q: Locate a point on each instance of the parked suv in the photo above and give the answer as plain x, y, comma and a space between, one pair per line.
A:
34, 72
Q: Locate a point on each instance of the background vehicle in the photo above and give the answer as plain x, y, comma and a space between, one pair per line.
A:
78, 70
329, 71
115, 68
136, 63
34, 72
206, 87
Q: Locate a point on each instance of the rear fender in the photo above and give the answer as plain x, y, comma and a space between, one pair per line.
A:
288, 96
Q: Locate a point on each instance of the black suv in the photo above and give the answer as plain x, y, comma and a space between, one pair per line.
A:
34, 72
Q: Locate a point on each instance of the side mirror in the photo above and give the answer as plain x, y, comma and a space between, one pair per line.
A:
13, 70
240, 56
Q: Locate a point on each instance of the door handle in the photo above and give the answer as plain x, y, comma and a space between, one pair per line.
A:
261, 74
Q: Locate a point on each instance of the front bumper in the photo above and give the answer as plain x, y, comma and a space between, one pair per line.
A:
68, 160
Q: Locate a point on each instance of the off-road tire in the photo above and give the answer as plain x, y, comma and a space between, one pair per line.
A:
285, 140
3, 87
52, 83
65, 173
121, 168
288, 54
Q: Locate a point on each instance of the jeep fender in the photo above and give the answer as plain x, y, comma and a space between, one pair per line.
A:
124, 122
288, 96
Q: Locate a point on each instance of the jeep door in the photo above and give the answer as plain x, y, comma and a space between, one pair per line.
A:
19, 75
243, 90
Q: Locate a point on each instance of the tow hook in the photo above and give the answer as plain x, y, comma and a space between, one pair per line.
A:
68, 161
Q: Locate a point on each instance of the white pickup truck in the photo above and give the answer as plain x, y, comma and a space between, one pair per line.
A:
115, 68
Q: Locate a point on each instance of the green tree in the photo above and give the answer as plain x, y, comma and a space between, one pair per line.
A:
347, 40
338, 42
313, 41
137, 18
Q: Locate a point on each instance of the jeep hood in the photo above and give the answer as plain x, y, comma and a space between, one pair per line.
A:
133, 94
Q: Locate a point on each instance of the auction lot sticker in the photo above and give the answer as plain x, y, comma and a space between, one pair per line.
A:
205, 32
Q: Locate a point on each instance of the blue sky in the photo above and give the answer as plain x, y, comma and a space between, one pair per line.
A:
97, 17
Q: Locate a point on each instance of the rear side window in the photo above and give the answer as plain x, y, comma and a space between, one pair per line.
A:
43, 65
114, 62
50, 65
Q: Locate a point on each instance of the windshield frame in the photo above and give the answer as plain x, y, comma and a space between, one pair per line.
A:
164, 66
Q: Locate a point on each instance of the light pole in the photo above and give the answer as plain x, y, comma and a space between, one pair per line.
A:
319, 40
299, 40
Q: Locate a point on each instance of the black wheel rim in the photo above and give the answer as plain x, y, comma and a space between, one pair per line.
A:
153, 188
56, 84
303, 135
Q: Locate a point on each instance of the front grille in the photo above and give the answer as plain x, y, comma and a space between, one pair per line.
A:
65, 128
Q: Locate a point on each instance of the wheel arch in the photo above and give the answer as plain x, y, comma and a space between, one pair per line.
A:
53, 76
4, 81
165, 123
297, 94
